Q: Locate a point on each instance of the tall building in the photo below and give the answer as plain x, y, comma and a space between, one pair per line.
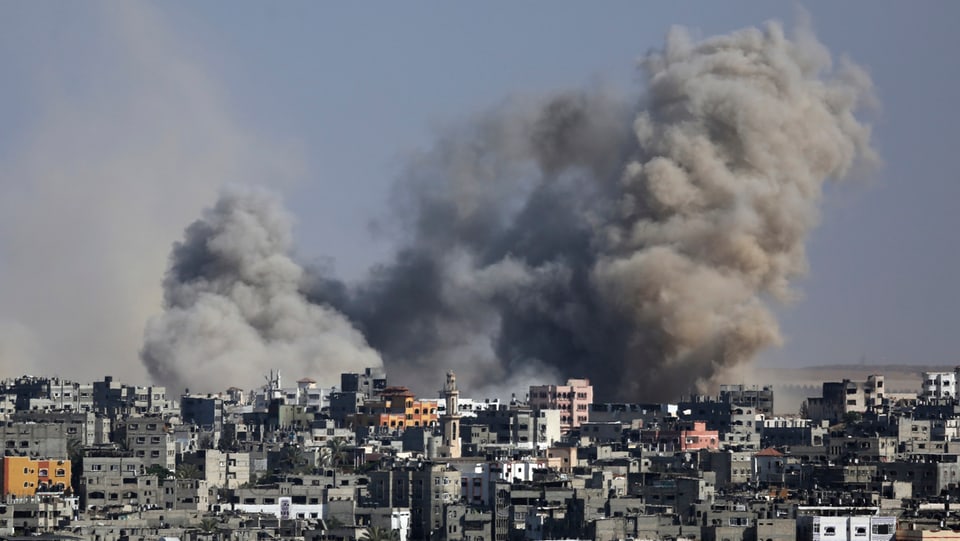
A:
573, 400
450, 421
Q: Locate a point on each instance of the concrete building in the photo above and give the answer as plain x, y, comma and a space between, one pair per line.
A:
186, 495
85, 427
759, 399
368, 383
219, 469
38, 440
205, 411
843, 397
941, 385
150, 439
283, 500
113, 479
116, 400
425, 491
507, 425
573, 400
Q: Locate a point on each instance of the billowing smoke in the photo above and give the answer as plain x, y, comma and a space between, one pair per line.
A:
234, 309
637, 242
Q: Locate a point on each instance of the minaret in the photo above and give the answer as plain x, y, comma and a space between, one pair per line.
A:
451, 419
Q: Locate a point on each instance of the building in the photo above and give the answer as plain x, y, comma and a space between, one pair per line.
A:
425, 491
396, 409
369, 383
23, 476
940, 385
573, 400
151, 440
846, 528
844, 397
758, 398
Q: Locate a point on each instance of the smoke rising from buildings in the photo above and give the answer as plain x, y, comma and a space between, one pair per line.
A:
637, 242
234, 310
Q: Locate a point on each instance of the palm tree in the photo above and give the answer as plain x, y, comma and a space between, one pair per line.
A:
337, 448
376, 533
336, 455
188, 471
208, 526
292, 460
75, 453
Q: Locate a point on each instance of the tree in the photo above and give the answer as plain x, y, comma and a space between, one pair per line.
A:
162, 473
75, 453
337, 451
292, 460
208, 526
376, 533
852, 417
188, 471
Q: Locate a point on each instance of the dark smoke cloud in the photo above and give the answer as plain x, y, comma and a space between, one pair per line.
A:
234, 307
634, 242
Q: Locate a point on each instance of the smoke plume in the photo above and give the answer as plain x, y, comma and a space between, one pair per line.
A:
637, 242
234, 309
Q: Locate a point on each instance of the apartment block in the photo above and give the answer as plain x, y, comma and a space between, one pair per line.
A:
573, 400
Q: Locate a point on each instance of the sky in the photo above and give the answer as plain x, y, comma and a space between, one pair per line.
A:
122, 121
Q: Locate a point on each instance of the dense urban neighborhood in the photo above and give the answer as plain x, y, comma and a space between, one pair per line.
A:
365, 460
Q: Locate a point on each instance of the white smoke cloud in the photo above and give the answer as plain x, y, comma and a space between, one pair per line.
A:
234, 309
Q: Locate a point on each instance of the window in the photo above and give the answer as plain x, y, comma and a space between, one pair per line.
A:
861, 530
830, 530
61, 472
44, 472
882, 529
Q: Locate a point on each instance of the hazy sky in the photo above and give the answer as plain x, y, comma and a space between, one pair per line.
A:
122, 120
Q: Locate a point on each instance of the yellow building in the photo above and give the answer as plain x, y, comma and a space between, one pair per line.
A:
397, 408
23, 476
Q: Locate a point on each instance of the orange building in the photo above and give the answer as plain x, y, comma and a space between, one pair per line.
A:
397, 408
23, 476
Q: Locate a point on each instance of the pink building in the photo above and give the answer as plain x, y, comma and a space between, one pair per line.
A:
692, 437
573, 400
699, 437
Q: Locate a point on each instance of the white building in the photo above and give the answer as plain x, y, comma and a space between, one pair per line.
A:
846, 528
940, 385
392, 519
